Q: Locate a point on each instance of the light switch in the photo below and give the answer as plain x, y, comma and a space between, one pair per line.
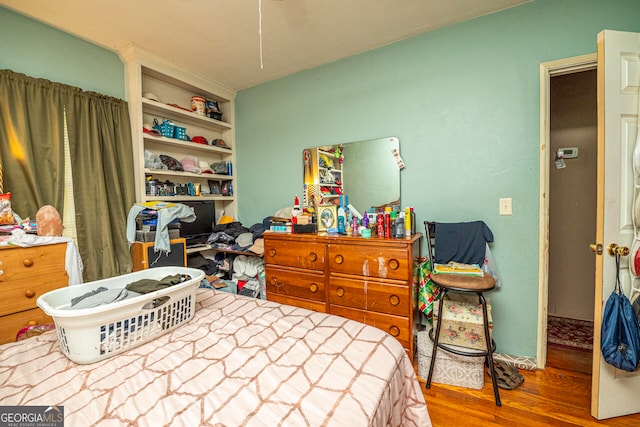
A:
506, 206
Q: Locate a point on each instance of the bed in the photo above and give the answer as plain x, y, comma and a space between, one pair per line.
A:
238, 362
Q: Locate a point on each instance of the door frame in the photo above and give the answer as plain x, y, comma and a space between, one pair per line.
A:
548, 70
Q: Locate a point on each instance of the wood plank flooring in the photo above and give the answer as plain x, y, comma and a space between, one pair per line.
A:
548, 397
572, 360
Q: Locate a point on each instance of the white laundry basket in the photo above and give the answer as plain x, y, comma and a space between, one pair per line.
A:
92, 334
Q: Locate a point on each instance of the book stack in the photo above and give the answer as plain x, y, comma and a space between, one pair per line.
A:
458, 268
280, 225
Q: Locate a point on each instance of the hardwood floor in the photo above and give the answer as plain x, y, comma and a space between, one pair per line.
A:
548, 397
571, 360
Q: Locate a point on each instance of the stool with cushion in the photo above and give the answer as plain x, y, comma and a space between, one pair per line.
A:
462, 284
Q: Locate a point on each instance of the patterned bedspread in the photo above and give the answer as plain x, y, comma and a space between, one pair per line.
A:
239, 362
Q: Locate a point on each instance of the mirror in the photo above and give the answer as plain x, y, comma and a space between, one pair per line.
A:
368, 172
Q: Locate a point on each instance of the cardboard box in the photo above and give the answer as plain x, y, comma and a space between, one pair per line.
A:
450, 368
462, 323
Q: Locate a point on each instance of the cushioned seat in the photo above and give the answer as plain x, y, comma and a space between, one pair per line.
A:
463, 284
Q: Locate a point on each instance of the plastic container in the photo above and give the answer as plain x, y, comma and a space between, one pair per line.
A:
198, 105
180, 133
166, 128
93, 334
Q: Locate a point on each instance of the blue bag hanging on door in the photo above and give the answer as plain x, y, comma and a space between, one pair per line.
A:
620, 334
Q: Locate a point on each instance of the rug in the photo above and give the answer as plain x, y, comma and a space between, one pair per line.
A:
570, 333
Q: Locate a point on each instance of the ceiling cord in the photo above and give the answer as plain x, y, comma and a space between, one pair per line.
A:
260, 30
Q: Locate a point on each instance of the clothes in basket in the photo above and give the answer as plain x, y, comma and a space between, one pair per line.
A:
450, 368
88, 335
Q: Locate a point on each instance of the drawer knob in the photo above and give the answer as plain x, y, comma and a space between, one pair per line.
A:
32, 323
313, 256
394, 264
29, 293
274, 281
272, 252
394, 331
394, 300
339, 259
313, 287
340, 292
28, 262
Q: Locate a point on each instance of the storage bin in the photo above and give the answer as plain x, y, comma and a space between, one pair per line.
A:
180, 133
166, 128
92, 334
462, 323
450, 368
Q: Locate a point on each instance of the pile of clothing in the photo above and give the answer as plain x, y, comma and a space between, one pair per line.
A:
232, 272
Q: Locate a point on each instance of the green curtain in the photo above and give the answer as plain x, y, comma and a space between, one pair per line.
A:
100, 144
99, 132
32, 142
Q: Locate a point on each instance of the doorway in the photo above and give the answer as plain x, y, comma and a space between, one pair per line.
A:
572, 219
566, 97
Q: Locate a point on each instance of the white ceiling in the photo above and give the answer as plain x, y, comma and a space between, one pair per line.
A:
220, 38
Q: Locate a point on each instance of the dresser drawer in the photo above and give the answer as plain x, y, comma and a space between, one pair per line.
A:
370, 261
306, 255
295, 284
12, 323
320, 307
370, 295
396, 326
21, 294
17, 263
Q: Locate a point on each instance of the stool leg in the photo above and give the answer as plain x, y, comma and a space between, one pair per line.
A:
436, 336
487, 337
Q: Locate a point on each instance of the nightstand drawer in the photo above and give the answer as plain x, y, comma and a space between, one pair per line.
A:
17, 263
12, 323
22, 294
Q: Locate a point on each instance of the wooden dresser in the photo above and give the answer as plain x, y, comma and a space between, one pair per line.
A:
25, 274
368, 280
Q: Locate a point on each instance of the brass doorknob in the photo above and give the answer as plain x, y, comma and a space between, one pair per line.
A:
596, 248
613, 249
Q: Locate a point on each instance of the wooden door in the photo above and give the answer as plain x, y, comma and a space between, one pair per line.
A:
615, 392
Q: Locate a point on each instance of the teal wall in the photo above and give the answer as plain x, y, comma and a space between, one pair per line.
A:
464, 102
39, 50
